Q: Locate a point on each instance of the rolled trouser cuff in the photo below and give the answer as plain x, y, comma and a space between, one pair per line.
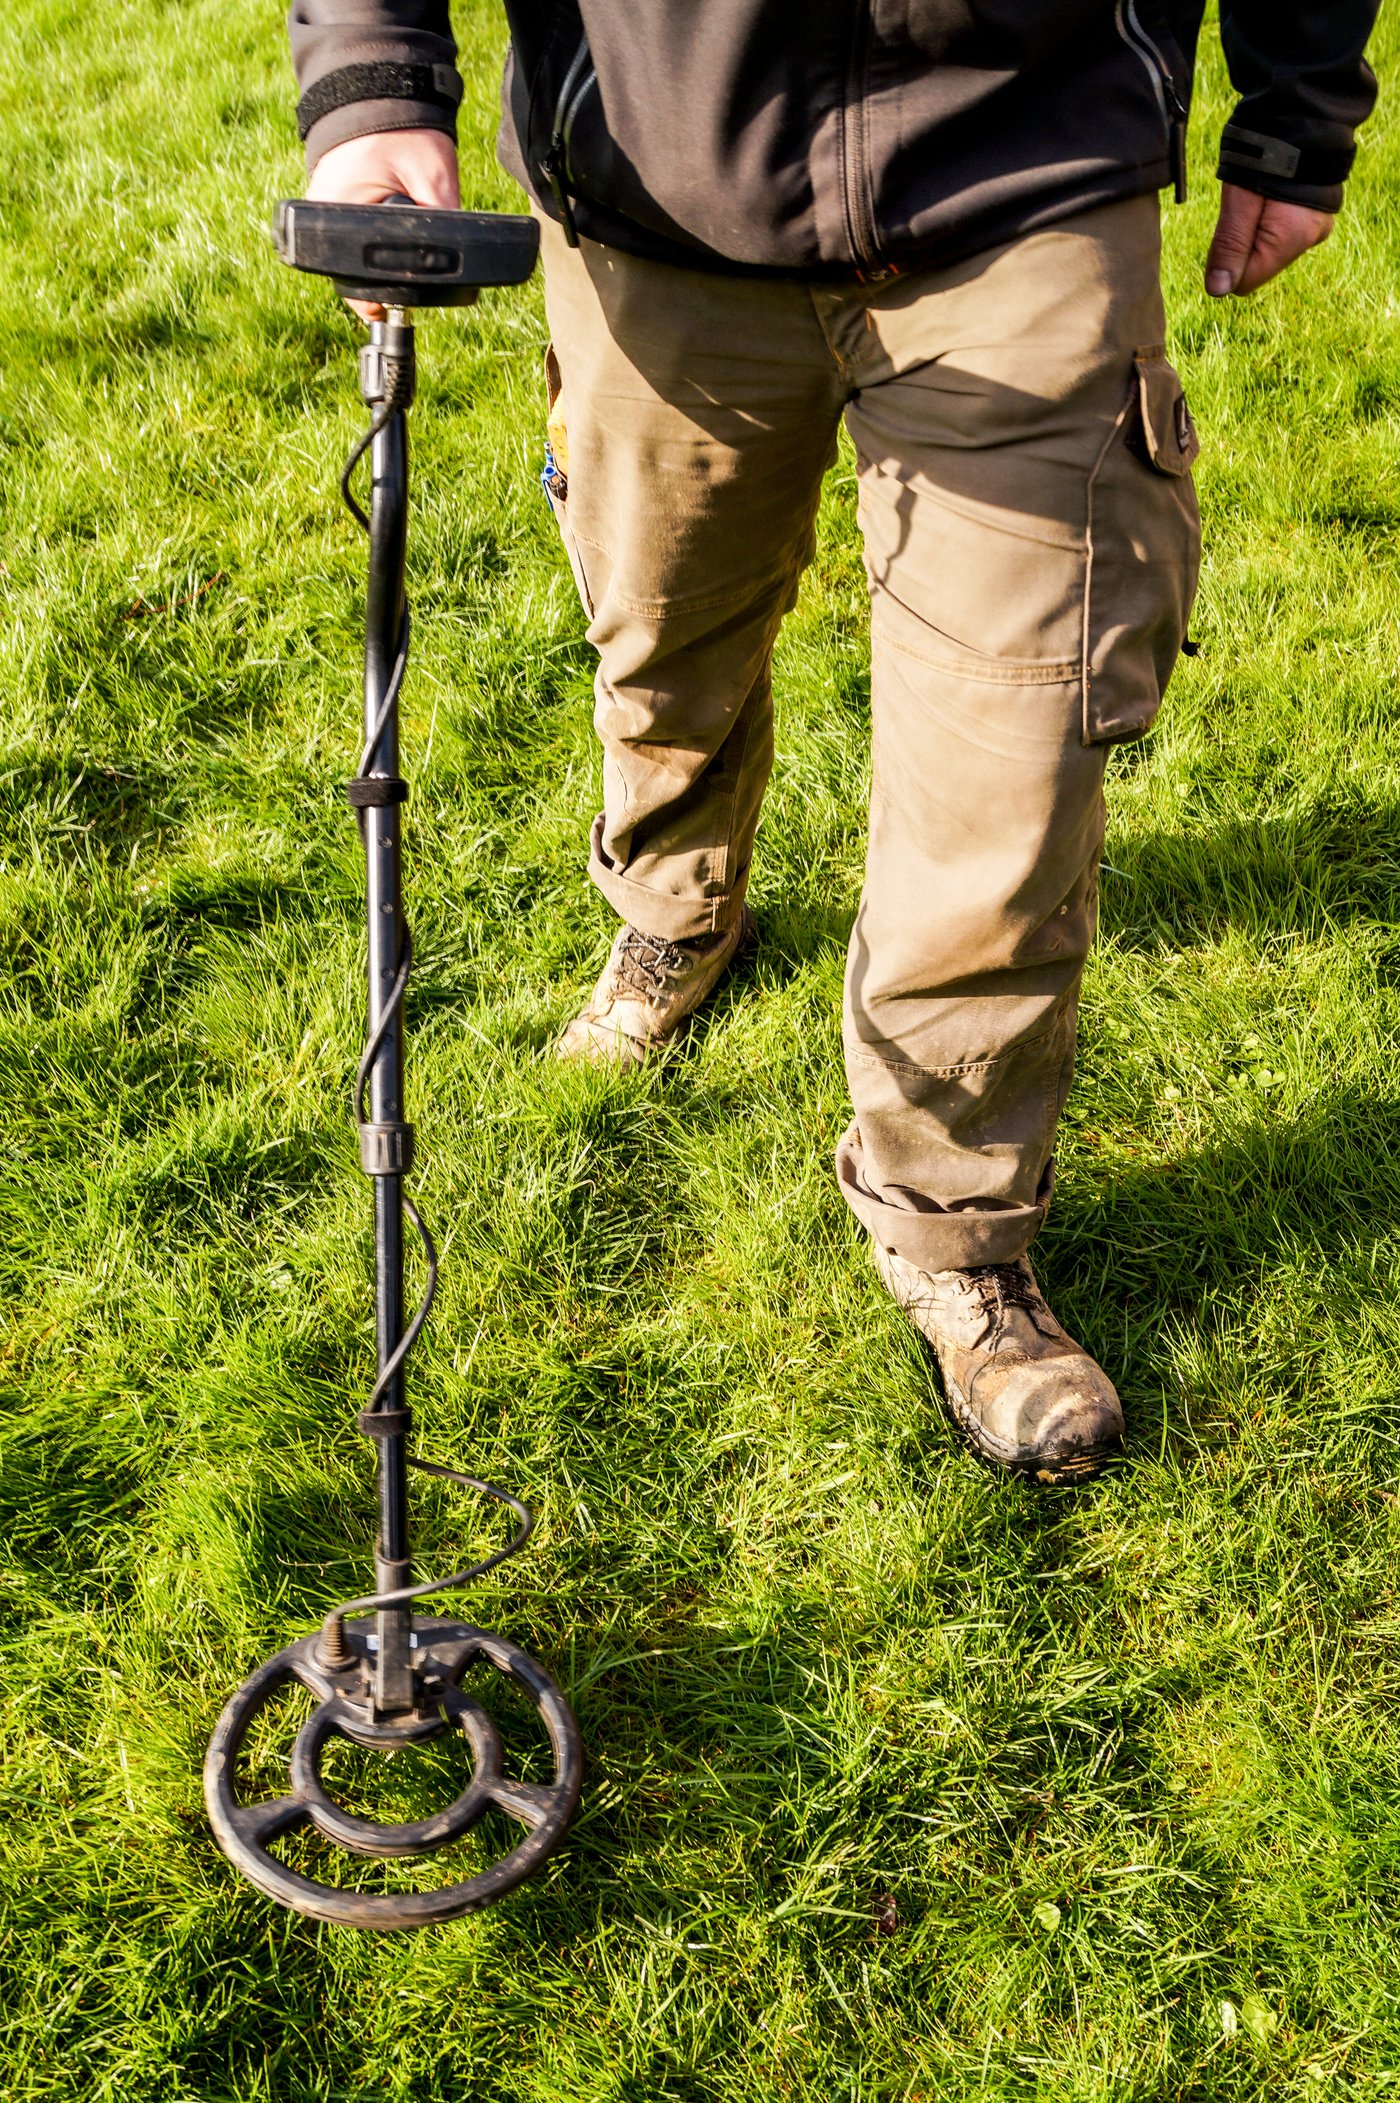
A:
931, 1238
676, 916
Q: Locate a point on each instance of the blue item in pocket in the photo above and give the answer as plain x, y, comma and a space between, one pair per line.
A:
553, 481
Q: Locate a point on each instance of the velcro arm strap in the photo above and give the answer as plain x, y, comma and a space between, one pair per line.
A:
1244, 153
384, 81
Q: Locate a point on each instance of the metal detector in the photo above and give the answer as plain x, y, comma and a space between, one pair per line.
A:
393, 1678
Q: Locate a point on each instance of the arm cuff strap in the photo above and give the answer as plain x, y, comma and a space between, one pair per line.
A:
1245, 153
387, 81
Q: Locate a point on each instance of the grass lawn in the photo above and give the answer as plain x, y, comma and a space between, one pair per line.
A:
904, 1781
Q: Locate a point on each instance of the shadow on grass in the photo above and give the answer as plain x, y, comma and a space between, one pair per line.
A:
1325, 1180
1332, 862
87, 801
790, 937
1145, 1262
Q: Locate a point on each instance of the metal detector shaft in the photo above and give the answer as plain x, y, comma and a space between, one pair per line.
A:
391, 346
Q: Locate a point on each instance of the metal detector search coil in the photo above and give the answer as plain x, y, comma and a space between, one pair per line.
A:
394, 1680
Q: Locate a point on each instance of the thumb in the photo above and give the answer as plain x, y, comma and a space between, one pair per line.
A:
1233, 241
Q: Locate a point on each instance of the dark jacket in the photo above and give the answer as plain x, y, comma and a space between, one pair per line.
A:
851, 137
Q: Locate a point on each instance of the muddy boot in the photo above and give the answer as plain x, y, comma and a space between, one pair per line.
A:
648, 990
1025, 1393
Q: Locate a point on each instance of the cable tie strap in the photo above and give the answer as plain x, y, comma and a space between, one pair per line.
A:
383, 81
385, 1423
372, 792
386, 1150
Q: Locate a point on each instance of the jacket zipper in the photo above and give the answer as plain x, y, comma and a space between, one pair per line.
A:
577, 82
860, 212
1164, 87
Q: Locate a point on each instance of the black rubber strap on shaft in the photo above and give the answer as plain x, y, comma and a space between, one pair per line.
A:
385, 1423
383, 81
373, 792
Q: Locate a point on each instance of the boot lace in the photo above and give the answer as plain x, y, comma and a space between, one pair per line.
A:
646, 962
1002, 1287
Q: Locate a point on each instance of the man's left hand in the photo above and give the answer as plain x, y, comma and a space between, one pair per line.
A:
1257, 237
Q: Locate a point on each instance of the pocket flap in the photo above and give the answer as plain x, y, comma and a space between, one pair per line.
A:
1168, 429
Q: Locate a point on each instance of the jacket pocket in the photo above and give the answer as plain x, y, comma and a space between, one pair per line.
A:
579, 83
1144, 553
541, 59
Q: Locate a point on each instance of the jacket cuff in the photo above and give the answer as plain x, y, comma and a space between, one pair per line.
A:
1273, 167
357, 120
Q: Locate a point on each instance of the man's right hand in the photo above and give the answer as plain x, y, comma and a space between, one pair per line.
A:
421, 165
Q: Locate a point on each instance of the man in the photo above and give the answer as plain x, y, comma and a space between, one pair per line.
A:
938, 219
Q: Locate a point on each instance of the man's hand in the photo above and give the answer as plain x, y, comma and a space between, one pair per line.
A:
421, 165
1257, 237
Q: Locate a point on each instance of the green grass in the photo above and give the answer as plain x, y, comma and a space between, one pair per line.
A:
1115, 1759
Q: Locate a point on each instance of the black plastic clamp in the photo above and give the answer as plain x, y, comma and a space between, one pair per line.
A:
386, 1150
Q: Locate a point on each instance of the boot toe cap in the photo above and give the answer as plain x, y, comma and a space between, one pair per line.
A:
594, 1042
1057, 1419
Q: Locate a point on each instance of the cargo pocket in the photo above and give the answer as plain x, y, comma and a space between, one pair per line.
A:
555, 476
1144, 554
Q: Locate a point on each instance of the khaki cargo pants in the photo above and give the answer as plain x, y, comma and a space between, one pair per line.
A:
1032, 542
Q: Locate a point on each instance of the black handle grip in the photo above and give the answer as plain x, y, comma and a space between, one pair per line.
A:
406, 255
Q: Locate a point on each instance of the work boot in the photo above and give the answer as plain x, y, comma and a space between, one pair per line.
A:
648, 989
1026, 1394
